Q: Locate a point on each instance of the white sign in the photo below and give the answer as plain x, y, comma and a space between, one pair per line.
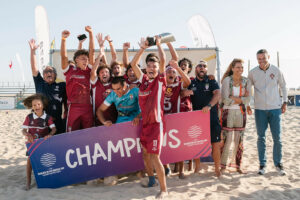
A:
7, 103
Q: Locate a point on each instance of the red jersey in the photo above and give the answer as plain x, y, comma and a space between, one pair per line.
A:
38, 127
172, 98
151, 98
99, 92
137, 82
185, 102
78, 85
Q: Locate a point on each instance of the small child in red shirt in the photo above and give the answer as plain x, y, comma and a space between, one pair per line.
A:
36, 125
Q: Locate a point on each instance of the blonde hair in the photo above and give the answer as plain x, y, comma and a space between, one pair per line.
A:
231, 65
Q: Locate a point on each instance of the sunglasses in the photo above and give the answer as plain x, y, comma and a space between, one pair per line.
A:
47, 71
201, 66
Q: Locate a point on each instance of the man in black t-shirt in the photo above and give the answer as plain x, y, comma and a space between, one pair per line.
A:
206, 94
46, 85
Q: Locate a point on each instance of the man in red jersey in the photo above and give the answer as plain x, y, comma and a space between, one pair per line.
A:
151, 100
101, 85
80, 113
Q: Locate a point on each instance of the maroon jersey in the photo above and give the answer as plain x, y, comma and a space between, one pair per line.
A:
185, 102
38, 127
172, 98
99, 92
137, 83
151, 98
78, 85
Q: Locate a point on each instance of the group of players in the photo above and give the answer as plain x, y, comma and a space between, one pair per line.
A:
97, 93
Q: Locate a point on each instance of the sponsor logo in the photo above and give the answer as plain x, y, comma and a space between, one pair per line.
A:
169, 92
206, 86
154, 145
144, 93
48, 159
77, 76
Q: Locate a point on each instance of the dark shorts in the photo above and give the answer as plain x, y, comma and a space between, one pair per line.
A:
215, 128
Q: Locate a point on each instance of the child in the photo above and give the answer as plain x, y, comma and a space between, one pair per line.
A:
36, 125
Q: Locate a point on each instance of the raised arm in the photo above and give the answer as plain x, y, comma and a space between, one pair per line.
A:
172, 51
126, 46
112, 49
33, 48
91, 45
80, 43
185, 79
63, 50
161, 54
100, 55
136, 59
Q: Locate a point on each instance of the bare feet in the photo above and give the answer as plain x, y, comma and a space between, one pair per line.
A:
181, 176
223, 170
241, 171
197, 169
161, 195
218, 173
27, 187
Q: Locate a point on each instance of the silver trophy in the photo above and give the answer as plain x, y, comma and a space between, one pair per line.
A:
165, 37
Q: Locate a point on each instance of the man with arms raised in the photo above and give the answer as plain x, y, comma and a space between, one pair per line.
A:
151, 100
46, 85
80, 112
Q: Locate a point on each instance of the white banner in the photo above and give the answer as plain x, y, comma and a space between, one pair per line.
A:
42, 36
7, 103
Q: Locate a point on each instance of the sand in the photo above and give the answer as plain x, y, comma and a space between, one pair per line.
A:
197, 186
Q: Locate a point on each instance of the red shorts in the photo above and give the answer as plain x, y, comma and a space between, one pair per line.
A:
152, 137
79, 117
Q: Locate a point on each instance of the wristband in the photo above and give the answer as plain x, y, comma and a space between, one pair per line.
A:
109, 41
63, 38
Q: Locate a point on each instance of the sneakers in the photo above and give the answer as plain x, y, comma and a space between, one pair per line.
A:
280, 170
262, 170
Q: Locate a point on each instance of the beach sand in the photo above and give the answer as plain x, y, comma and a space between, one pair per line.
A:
197, 186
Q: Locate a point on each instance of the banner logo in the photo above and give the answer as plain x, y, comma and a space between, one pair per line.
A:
48, 159
194, 131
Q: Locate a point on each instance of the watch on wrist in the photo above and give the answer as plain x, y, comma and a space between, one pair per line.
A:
209, 105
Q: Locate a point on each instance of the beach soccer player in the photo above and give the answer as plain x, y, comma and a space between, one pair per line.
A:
36, 125
126, 101
172, 95
46, 85
101, 85
151, 100
80, 111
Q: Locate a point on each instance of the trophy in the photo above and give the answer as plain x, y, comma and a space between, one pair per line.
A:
165, 37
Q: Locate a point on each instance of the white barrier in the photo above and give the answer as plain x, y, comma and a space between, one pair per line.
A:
7, 103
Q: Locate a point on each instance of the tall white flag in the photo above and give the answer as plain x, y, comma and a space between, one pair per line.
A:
42, 36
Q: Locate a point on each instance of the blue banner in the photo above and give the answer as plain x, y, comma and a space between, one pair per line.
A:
98, 152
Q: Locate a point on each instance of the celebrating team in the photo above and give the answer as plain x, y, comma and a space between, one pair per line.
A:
96, 93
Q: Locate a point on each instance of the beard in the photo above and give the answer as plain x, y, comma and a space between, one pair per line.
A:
201, 75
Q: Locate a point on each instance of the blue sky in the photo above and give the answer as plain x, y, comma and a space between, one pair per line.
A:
240, 27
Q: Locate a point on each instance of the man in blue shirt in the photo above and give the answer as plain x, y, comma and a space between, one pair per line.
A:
46, 85
125, 100
205, 97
